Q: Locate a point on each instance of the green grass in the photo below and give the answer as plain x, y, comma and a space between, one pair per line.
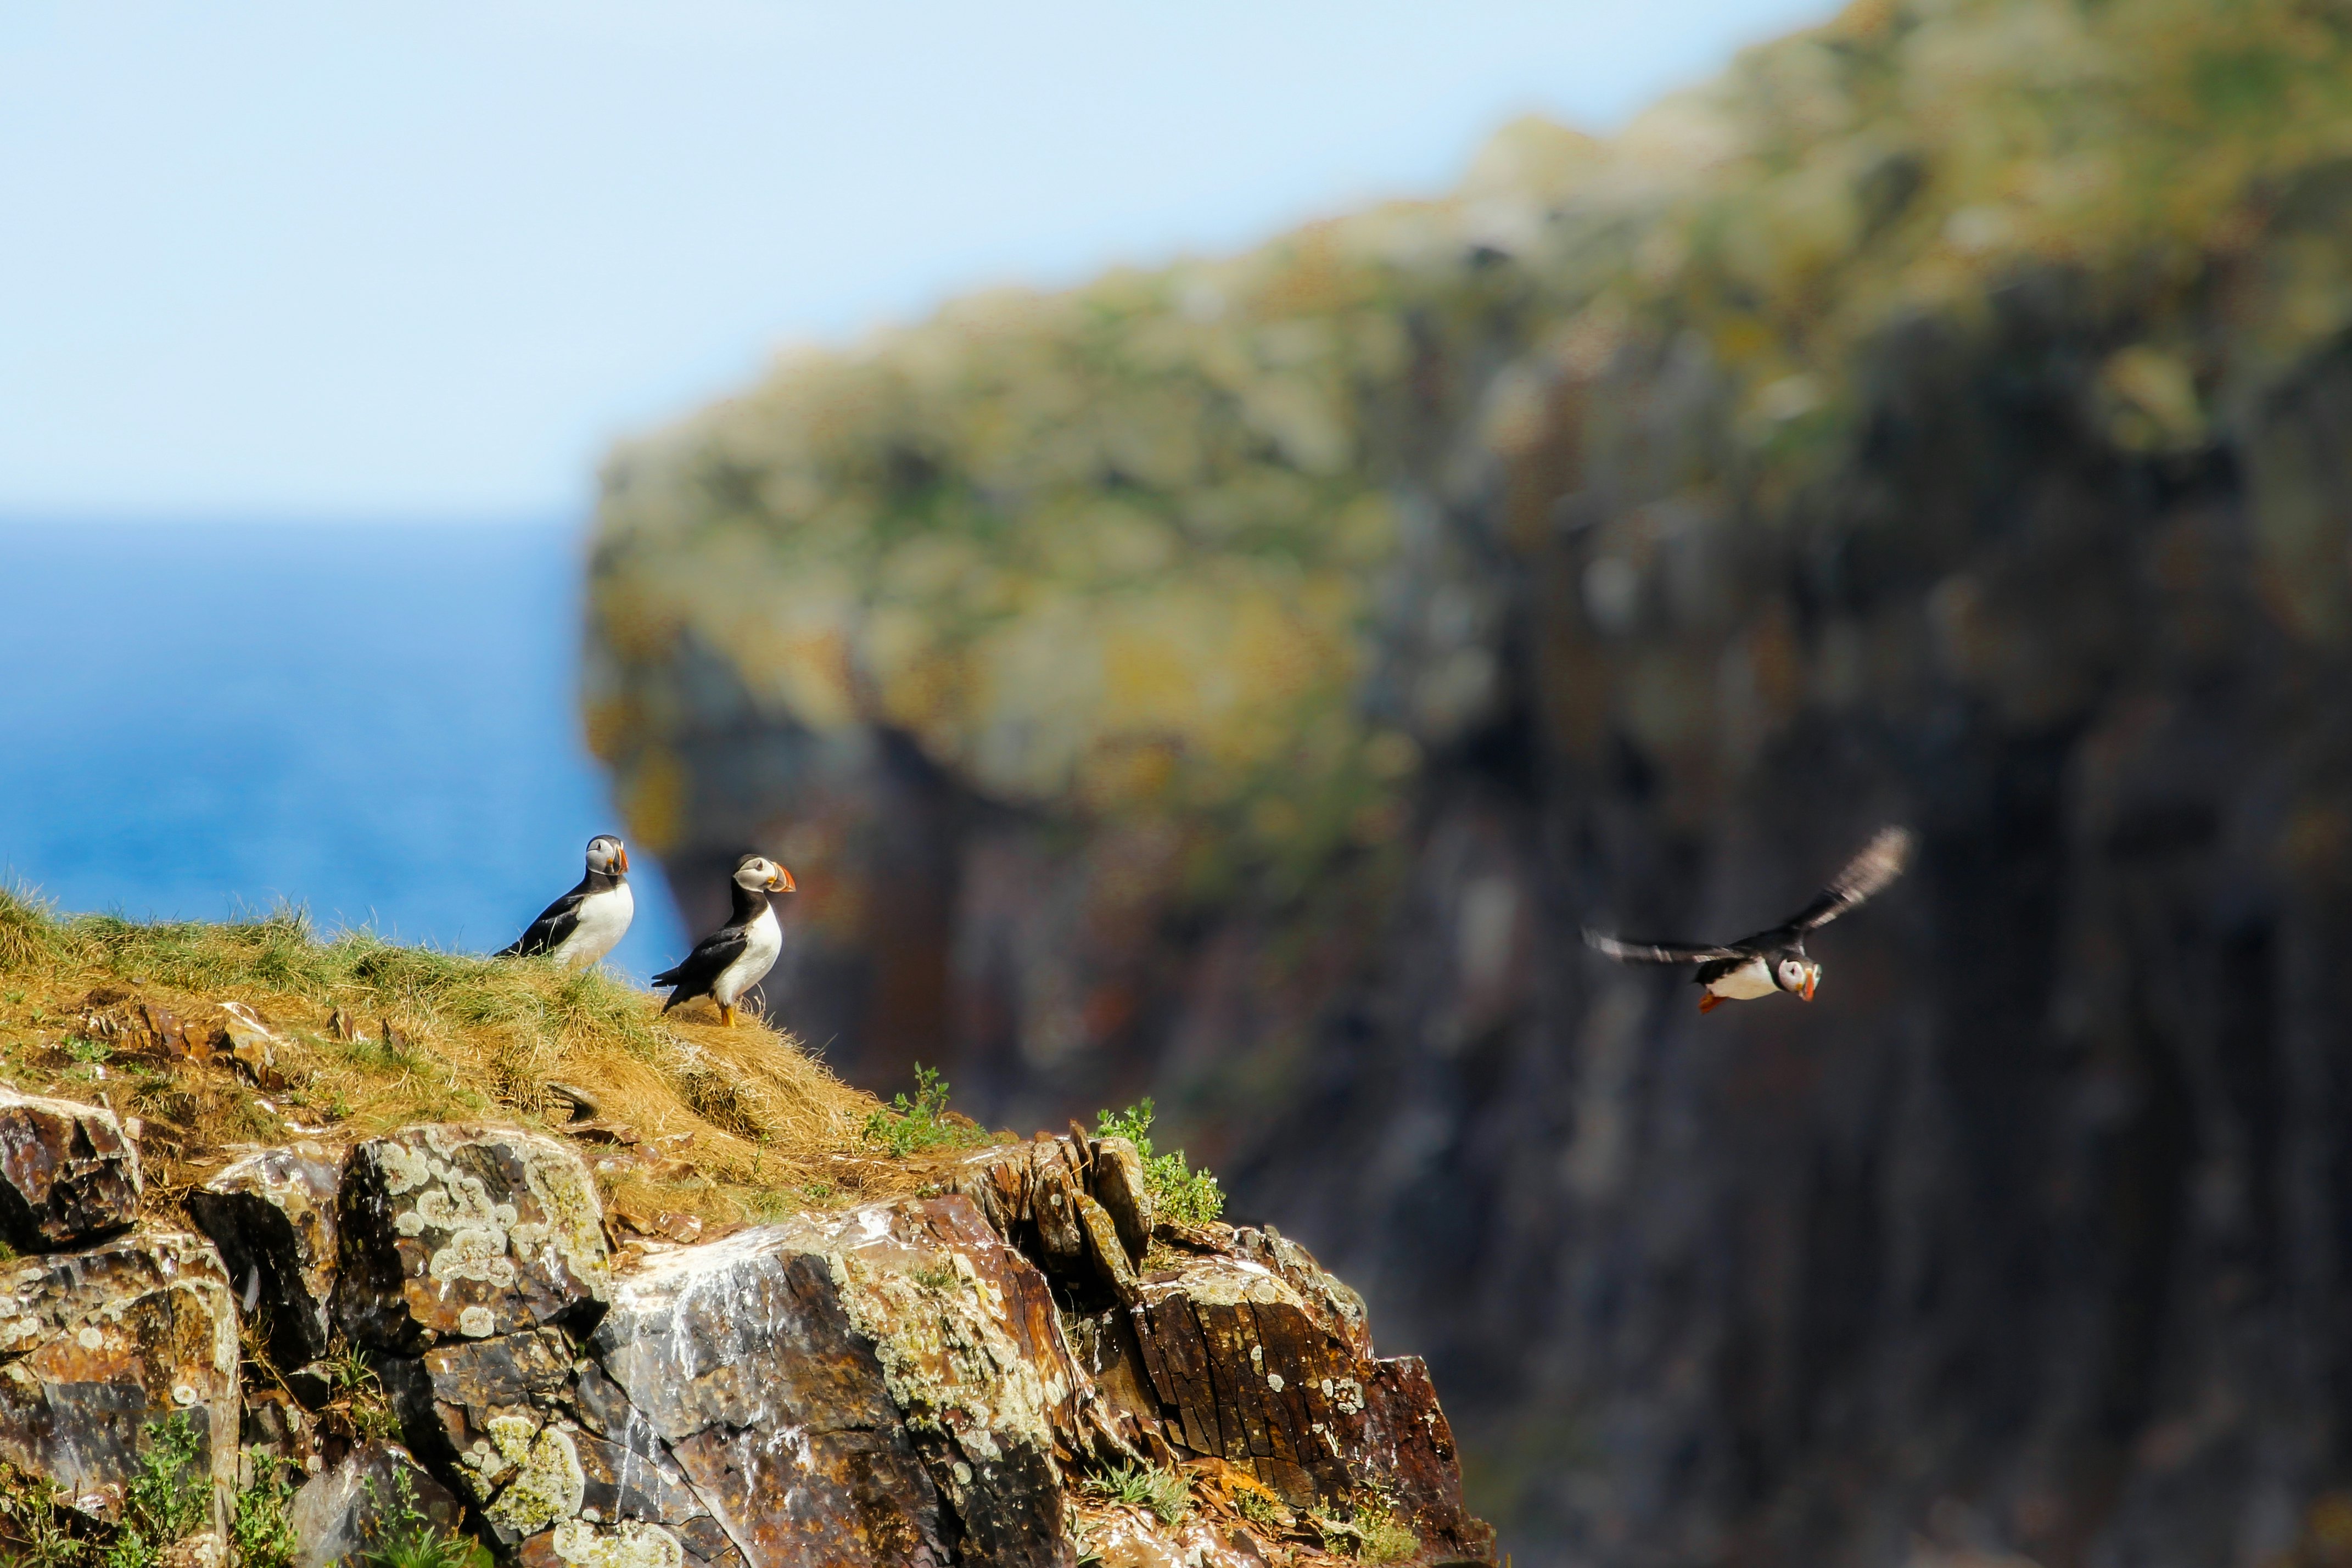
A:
1177, 1191
261, 1530
919, 1125
1261, 1510
165, 1503
1144, 1486
1375, 1533
33, 1528
413, 1540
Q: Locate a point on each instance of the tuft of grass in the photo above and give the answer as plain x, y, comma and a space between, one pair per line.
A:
919, 1125
358, 1395
33, 1523
261, 1530
1376, 1534
413, 1540
165, 1503
1147, 1486
1261, 1510
29, 933
1177, 1191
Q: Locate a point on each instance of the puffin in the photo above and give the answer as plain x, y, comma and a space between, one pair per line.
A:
1774, 959
585, 923
731, 960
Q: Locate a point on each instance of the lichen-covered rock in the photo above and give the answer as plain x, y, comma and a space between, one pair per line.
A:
67, 1175
476, 1410
97, 1347
272, 1215
347, 1515
1281, 1383
464, 1232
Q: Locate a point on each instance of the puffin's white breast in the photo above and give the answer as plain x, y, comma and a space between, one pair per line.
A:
763, 939
601, 921
1744, 983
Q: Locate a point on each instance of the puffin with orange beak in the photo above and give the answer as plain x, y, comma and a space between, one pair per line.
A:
587, 922
735, 957
1775, 959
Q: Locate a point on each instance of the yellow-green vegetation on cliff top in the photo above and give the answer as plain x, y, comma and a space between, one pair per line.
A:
1135, 548
367, 1035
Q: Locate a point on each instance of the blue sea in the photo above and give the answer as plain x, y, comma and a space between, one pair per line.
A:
378, 722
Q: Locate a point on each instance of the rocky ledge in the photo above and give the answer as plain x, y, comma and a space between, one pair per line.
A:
433, 1334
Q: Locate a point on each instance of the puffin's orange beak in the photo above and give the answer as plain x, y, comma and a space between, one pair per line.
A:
781, 881
624, 856
1813, 978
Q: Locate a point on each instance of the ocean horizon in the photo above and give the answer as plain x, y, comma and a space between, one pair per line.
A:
375, 721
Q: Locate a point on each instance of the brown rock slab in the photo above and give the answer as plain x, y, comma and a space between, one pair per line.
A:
345, 1516
67, 1175
1030, 1193
1278, 1382
1116, 1179
453, 1231
97, 1346
272, 1215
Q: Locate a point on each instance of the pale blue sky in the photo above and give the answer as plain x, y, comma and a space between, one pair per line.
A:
334, 258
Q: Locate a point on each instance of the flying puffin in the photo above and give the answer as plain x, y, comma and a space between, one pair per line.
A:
585, 923
730, 960
1775, 959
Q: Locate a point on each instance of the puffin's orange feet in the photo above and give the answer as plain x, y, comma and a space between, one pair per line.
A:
1709, 1002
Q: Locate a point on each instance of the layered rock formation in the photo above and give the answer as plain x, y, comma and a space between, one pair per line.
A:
889, 1384
1242, 681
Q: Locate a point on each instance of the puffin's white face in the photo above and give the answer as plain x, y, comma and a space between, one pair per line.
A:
607, 854
1798, 974
758, 874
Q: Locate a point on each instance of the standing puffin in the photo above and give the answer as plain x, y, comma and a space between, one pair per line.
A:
730, 960
585, 923
1774, 960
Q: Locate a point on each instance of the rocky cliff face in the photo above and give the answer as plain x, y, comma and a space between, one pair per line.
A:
1022, 1369
1244, 680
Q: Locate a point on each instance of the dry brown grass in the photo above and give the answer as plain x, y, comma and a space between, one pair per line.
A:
728, 1124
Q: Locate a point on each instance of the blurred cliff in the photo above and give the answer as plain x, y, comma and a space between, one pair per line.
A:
1239, 682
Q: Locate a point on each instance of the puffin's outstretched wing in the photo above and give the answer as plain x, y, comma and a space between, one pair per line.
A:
548, 932
1881, 861
699, 970
1656, 952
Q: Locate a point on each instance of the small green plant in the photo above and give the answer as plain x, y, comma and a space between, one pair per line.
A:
86, 1050
1144, 1486
361, 1397
162, 1504
411, 1540
1375, 1535
1177, 1191
923, 1123
33, 1531
938, 1279
261, 1530
1262, 1510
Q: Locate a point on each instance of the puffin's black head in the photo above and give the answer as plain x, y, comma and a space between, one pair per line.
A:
758, 874
607, 854
1793, 972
